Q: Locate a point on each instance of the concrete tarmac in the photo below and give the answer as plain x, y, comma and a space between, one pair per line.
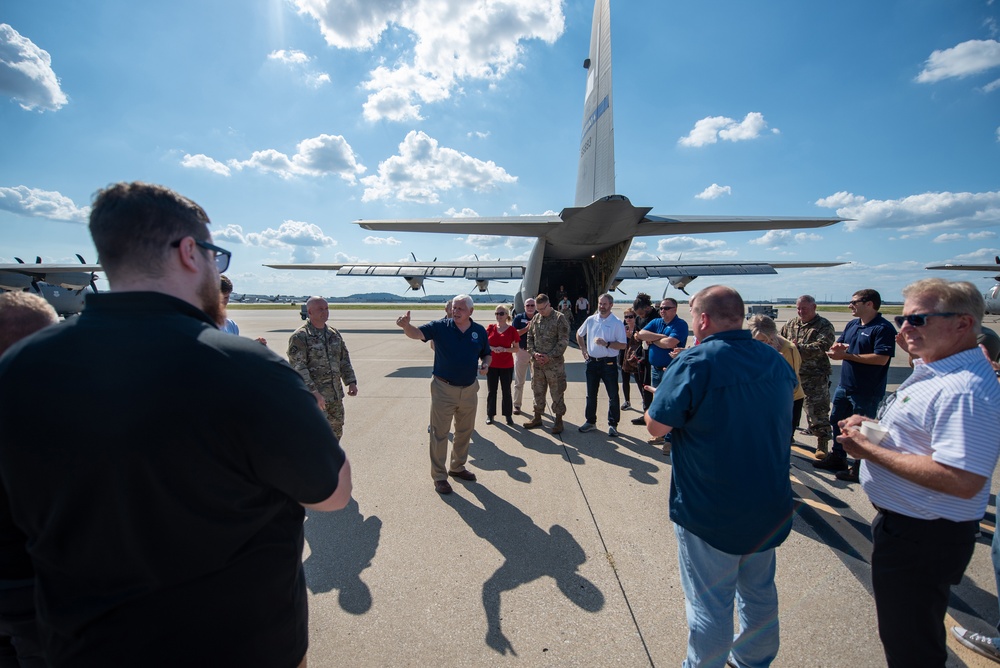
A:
562, 553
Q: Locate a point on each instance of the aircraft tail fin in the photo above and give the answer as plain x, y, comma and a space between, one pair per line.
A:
596, 172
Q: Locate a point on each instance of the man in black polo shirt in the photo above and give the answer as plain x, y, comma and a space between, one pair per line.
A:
462, 352
162, 514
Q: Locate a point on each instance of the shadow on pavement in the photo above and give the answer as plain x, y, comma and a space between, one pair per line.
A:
342, 545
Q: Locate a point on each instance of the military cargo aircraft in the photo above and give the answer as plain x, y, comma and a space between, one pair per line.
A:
584, 246
992, 296
63, 285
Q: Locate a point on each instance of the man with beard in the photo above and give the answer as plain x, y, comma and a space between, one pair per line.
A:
158, 498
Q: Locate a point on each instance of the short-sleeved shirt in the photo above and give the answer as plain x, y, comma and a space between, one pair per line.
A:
879, 337
611, 329
504, 339
457, 354
521, 321
170, 489
728, 400
948, 409
677, 328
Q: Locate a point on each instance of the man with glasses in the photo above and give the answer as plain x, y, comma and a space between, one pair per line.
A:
865, 349
160, 498
928, 476
318, 352
663, 335
600, 337
522, 360
813, 335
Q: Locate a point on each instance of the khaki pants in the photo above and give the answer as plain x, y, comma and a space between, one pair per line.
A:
448, 403
522, 360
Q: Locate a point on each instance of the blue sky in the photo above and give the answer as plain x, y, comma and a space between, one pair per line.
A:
289, 119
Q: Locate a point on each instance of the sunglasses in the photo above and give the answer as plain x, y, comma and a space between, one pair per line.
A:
920, 319
858, 301
500, 313
630, 317
667, 308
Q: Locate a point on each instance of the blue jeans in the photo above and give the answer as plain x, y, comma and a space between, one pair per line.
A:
603, 370
712, 581
845, 405
656, 375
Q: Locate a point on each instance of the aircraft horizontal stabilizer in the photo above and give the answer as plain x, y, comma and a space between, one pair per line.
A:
667, 225
510, 226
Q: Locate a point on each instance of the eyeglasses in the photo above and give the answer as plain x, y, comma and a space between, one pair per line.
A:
500, 313
858, 301
221, 254
667, 308
630, 317
920, 319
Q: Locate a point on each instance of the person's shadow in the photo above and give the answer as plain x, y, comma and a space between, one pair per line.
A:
529, 553
342, 544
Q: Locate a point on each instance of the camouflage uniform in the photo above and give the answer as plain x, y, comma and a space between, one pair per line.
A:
813, 339
549, 336
321, 358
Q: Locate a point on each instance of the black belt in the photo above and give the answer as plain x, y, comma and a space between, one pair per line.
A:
448, 382
609, 359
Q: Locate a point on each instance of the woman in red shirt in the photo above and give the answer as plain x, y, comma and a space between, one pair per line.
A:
503, 344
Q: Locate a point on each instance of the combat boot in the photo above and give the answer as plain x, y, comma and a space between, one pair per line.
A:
557, 426
535, 422
822, 447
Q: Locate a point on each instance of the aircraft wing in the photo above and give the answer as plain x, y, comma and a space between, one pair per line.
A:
967, 267
44, 268
70, 276
658, 269
651, 226
476, 271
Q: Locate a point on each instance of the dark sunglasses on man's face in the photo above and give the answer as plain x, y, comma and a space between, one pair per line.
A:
920, 319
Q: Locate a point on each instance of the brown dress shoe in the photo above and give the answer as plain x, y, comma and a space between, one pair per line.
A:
463, 475
442, 487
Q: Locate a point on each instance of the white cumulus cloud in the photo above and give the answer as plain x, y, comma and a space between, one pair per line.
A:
202, 161
37, 203
291, 233
26, 73
452, 43
381, 241
423, 169
301, 64
693, 248
713, 128
714, 191
317, 156
918, 214
965, 59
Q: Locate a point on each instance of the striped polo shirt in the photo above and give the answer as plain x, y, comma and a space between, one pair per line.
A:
950, 410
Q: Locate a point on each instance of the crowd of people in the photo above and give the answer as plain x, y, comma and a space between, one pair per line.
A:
210, 508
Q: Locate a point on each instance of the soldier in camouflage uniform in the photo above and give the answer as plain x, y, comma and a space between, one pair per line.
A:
319, 354
548, 336
813, 335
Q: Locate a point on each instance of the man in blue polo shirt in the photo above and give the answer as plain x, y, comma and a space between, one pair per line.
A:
663, 335
726, 402
461, 354
866, 348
